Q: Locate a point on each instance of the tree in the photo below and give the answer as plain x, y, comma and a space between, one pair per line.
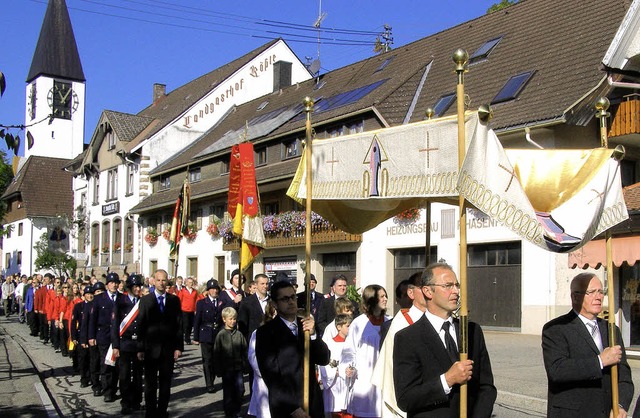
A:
502, 5
47, 259
6, 176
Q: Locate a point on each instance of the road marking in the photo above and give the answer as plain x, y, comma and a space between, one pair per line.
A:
46, 401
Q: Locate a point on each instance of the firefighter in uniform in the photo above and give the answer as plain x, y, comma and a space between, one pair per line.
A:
206, 325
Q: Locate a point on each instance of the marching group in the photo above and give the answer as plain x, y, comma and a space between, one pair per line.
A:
130, 332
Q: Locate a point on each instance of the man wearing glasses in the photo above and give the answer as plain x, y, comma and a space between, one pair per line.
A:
578, 359
427, 372
280, 354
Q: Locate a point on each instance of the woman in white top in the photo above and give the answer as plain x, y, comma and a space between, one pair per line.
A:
360, 354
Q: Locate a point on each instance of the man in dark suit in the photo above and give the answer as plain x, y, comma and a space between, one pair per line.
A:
124, 337
160, 330
100, 335
280, 355
578, 359
316, 297
206, 325
327, 310
426, 371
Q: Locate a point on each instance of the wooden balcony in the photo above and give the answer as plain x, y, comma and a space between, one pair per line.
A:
625, 120
297, 238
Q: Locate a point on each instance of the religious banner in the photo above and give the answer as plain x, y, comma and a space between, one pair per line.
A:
556, 199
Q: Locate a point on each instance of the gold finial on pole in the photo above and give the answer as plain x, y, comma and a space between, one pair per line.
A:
602, 105
485, 113
461, 57
429, 113
308, 108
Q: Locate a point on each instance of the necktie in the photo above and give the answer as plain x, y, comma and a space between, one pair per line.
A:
113, 297
294, 328
450, 345
135, 300
595, 334
161, 302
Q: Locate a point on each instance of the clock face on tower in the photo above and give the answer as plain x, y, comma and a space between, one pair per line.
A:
62, 100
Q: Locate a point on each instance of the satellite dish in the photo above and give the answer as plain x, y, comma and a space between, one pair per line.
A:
314, 68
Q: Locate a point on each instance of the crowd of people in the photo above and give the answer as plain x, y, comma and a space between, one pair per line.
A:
128, 332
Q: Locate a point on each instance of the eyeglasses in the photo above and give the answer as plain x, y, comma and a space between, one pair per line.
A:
446, 286
287, 298
592, 292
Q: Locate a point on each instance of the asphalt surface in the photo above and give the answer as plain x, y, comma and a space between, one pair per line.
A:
36, 382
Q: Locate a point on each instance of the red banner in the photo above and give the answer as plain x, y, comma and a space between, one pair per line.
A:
234, 181
249, 193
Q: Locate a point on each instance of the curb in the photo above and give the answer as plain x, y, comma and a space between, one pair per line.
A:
523, 403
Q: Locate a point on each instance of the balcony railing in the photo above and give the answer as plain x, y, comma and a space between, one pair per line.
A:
626, 118
319, 235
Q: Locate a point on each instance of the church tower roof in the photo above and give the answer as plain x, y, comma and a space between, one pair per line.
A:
56, 53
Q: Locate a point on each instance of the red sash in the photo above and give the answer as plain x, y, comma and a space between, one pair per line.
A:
405, 312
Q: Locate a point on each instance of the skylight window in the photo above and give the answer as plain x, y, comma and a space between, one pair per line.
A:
513, 87
483, 52
347, 97
384, 64
443, 104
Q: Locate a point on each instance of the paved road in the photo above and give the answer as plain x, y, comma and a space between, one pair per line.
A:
36, 382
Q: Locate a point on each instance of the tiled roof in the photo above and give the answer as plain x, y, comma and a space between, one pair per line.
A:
125, 125
554, 39
632, 196
181, 99
45, 188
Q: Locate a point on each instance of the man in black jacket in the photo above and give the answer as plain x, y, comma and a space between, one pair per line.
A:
160, 330
124, 337
206, 325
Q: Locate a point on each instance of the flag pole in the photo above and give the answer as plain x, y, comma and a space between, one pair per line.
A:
602, 105
308, 108
427, 239
461, 57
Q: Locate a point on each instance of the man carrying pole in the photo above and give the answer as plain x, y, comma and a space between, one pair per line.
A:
180, 223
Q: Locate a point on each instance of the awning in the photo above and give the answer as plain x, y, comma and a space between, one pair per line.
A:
593, 254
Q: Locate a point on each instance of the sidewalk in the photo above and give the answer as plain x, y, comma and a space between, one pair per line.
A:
36, 382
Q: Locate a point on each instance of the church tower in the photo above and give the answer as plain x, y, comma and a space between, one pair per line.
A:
55, 90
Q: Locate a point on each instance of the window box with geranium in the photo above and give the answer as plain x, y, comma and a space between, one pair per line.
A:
116, 246
152, 236
192, 232
409, 216
166, 234
213, 230
105, 248
94, 251
128, 246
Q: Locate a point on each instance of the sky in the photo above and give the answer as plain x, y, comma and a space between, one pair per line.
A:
128, 45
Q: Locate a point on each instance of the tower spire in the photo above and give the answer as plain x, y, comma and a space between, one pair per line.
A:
56, 53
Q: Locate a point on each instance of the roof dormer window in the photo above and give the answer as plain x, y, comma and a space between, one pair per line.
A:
483, 52
513, 87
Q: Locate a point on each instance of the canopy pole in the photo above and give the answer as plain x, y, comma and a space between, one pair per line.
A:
602, 105
308, 108
427, 239
461, 57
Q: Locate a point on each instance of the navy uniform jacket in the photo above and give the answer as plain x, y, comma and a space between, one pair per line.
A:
128, 341
208, 320
100, 318
227, 298
83, 334
76, 320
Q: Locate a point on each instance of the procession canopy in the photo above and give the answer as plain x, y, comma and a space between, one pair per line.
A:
556, 199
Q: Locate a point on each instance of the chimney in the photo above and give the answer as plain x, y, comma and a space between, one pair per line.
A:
281, 75
159, 91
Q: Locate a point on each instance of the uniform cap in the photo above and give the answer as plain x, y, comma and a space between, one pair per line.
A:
213, 284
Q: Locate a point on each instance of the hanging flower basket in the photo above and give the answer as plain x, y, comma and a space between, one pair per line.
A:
409, 216
166, 234
152, 237
116, 246
213, 230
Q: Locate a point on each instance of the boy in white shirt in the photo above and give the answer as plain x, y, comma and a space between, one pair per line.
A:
334, 385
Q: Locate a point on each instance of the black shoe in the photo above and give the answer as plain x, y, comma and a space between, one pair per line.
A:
211, 389
98, 392
109, 398
126, 410
84, 385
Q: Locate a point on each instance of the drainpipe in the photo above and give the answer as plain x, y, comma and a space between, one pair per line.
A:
622, 84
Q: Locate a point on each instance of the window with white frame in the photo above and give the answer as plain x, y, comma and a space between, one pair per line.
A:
111, 138
165, 182
112, 184
290, 149
96, 189
195, 175
131, 168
